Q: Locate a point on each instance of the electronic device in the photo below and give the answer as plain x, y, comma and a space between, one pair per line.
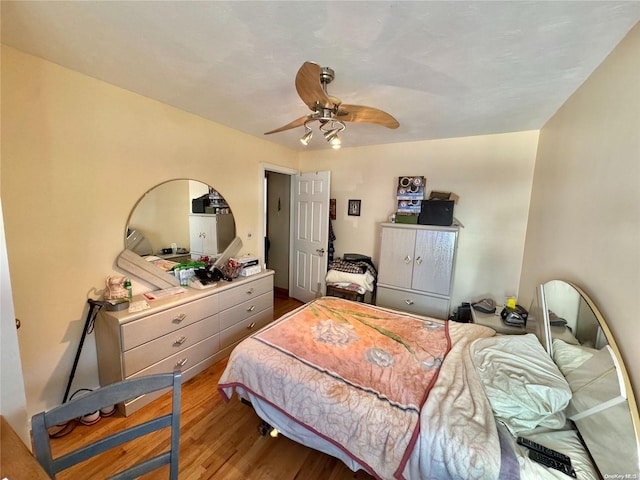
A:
514, 317
530, 444
247, 260
551, 463
436, 212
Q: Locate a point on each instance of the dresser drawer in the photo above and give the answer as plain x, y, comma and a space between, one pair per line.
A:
183, 359
241, 312
141, 331
413, 302
246, 327
151, 352
241, 293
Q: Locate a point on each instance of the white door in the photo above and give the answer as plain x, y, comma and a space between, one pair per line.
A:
13, 402
310, 234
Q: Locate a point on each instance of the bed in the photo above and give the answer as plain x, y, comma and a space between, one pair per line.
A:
406, 397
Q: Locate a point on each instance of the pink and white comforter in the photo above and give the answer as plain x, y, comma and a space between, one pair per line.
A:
375, 383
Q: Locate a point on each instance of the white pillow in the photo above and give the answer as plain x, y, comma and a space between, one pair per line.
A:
523, 385
569, 357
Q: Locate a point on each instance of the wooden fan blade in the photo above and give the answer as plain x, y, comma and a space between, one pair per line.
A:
296, 123
359, 113
310, 88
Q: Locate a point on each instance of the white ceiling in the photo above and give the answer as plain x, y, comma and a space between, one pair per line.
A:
443, 69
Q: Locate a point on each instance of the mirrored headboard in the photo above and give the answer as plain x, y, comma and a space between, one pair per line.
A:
603, 406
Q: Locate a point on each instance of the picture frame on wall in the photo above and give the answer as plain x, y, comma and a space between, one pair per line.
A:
332, 208
354, 207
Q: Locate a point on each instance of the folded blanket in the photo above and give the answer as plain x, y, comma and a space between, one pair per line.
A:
365, 280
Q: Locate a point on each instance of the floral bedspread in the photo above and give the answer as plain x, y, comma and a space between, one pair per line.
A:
355, 374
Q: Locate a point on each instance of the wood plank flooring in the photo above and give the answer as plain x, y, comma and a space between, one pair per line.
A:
218, 440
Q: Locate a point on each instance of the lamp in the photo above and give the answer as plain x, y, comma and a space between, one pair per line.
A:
329, 127
306, 138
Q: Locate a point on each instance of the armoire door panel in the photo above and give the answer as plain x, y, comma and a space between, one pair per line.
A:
396, 257
433, 261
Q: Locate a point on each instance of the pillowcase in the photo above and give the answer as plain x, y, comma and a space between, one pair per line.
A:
524, 387
569, 357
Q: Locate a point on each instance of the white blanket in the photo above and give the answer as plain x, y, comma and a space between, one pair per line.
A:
458, 436
364, 280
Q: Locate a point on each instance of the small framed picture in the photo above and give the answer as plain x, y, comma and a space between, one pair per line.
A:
354, 207
332, 208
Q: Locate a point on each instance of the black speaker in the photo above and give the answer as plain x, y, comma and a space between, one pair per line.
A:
436, 212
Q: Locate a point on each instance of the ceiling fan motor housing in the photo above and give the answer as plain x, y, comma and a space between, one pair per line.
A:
327, 75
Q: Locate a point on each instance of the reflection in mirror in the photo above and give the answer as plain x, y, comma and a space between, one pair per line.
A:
603, 406
180, 220
570, 317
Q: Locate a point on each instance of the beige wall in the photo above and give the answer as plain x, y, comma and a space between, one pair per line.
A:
492, 174
584, 224
77, 154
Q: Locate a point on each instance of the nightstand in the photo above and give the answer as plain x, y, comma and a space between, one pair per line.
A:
493, 320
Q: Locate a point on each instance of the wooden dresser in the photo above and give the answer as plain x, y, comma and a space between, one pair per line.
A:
191, 330
415, 272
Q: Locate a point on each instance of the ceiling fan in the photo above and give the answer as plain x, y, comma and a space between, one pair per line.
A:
328, 111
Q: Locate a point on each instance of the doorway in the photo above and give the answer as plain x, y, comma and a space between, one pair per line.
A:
277, 218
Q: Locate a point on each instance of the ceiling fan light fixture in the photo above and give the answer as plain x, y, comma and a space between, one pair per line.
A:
331, 136
306, 138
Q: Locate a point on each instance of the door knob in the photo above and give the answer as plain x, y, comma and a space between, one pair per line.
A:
407, 259
419, 260
320, 251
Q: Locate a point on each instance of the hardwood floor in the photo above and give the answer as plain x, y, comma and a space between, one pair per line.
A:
218, 440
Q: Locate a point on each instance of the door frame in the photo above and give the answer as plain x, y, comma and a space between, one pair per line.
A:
264, 168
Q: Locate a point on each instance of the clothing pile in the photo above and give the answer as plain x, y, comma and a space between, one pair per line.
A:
359, 276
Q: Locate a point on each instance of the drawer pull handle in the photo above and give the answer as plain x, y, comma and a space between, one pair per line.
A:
180, 340
407, 259
251, 308
419, 260
253, 324
182, 362
180, 318
250, 291
408, 302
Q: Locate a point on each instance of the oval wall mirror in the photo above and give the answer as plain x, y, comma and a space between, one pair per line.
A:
180, 220
603, 406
